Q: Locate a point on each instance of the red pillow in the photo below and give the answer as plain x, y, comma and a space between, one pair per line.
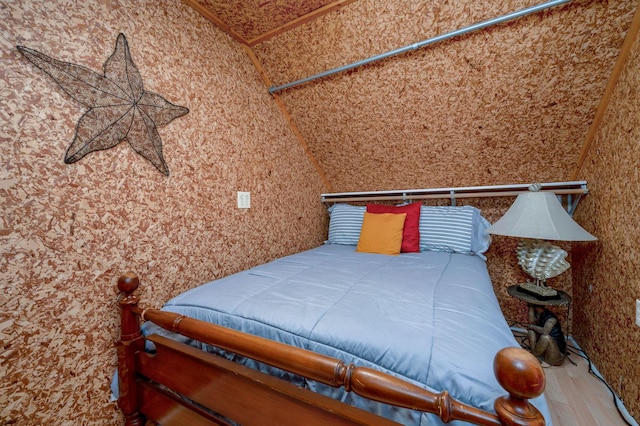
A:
411, 231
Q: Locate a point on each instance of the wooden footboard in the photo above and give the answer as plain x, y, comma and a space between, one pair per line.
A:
180, 384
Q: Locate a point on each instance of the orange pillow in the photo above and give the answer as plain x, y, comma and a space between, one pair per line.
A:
381, 233
411, 233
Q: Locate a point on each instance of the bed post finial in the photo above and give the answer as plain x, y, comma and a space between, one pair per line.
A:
128, 345
128, 283
521, 375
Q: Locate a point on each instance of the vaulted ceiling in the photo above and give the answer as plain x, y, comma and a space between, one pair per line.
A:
514, 102
253, 21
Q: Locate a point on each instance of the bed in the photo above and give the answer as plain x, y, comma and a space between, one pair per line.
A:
336, 335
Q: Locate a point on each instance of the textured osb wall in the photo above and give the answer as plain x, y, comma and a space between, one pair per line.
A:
607, 284
252, 18
507, 104
68, 231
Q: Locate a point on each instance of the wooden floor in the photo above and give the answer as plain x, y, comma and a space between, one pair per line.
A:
578, 398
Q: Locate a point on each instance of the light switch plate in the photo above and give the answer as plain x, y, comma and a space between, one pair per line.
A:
244, 200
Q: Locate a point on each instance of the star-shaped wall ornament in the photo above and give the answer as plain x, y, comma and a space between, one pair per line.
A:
119, 107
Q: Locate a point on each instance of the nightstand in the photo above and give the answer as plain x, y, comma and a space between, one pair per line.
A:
545, 337
562, 299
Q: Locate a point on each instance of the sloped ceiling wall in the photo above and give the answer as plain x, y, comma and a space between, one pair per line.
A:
250, 21
508, 104
511, 103
606, 284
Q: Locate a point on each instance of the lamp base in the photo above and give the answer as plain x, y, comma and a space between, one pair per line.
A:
542, 292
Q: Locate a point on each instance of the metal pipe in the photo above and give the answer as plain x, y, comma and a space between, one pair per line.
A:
561, 189
418, 45
580, 186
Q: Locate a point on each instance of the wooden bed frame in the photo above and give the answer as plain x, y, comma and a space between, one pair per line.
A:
180, 384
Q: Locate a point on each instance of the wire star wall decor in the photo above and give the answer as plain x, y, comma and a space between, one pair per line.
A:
119, 107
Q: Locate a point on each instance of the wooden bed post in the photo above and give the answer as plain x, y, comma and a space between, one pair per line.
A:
130, 343
521, 375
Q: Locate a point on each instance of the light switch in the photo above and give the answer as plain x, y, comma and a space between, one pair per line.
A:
244, 200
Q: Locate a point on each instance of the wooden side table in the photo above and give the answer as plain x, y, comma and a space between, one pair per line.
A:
562, 299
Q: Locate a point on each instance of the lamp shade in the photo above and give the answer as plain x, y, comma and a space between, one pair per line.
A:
539, 215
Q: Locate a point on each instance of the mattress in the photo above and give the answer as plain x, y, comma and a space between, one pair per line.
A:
430, 318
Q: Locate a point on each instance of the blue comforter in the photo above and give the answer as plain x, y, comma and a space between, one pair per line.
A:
430, 318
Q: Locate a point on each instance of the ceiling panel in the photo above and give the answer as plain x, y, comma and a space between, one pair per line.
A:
253, 18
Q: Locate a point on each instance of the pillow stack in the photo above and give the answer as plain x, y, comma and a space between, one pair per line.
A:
409, 235
450, 229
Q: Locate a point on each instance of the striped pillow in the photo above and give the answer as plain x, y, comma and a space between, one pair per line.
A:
452, 229
345, 223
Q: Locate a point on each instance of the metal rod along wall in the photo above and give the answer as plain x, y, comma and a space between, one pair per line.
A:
418, 45
572, 190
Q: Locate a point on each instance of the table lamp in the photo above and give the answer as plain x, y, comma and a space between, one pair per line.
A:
537, 216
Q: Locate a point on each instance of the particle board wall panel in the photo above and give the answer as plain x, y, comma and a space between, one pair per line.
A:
68, 231
606, 282
287, 117
252, 18
510, 103
366, 28
606, 97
